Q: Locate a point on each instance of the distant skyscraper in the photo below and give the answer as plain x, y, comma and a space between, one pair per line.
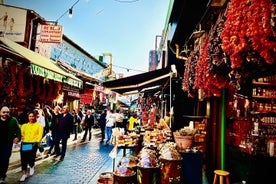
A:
153, 60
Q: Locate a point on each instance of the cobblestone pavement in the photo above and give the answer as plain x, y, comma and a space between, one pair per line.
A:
83, 163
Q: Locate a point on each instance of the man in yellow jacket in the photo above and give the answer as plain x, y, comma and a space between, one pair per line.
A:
132, 122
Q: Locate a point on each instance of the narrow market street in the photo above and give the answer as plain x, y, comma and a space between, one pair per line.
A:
82, 164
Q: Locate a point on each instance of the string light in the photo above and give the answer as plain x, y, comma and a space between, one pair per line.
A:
69, 11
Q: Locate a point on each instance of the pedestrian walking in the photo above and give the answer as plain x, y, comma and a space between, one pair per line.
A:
110, 122
119, 119
9, 134
62, 132
79, 112
88, 121
32, 133
76, 124
55, 114
102, 124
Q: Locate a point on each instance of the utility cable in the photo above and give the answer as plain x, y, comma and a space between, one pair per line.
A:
126, 1
128, 69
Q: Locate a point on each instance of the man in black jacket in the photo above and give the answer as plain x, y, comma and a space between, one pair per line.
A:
89, 121
9, 134
63, 131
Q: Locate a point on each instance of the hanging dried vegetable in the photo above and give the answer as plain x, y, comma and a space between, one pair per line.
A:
248, 28
189, 74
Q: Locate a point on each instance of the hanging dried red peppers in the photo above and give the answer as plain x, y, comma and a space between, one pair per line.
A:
25, 83
248, 27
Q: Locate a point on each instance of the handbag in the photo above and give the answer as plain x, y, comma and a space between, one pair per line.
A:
27, 147
83, 123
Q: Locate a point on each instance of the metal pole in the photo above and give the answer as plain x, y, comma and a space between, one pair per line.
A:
170, 97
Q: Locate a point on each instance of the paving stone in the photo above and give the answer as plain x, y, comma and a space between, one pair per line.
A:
82, 164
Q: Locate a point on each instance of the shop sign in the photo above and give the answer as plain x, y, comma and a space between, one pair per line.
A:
13, 22
98, 88
73, 94
43, 72
51, 34
86, 97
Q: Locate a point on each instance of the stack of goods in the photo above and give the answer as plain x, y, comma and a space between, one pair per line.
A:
171, 162
184, 138
200, 136
156, 136
129, 161
148, 167
105, 178
127, 140
124, 174
148, 158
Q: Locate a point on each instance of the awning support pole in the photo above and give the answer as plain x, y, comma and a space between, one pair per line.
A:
170, 97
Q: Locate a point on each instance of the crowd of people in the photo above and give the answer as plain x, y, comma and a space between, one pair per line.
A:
53, 127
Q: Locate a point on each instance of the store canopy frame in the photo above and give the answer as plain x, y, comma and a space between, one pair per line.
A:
41, 65
141, 83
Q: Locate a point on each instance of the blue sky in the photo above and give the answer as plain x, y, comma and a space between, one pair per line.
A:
127, 30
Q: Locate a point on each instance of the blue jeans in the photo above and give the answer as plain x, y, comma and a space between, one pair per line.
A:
108, 133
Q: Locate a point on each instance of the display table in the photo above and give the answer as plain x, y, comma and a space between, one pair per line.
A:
127, 147
191, 172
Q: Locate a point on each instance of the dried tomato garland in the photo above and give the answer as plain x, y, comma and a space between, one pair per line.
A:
25, 84
248, 27
189, 74
202, 65
12, 79
38, 81
2, 77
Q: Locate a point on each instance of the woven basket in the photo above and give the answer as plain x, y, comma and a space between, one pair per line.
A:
183, 142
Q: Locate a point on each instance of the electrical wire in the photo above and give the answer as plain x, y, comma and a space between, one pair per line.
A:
128, 69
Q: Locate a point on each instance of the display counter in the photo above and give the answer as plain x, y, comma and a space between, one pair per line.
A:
191, 172
254, 169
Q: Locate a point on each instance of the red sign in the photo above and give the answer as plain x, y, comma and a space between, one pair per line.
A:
86, 97
51, 34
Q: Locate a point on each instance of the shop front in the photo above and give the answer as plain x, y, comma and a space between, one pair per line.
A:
229, 69
30, 78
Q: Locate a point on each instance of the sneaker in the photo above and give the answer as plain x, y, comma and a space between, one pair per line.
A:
23, 177
31, 171
61, 158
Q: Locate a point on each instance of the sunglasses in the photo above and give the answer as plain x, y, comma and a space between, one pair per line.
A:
5, 112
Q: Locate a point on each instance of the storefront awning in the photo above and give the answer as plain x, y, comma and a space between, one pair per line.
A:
140, 83
41, 65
